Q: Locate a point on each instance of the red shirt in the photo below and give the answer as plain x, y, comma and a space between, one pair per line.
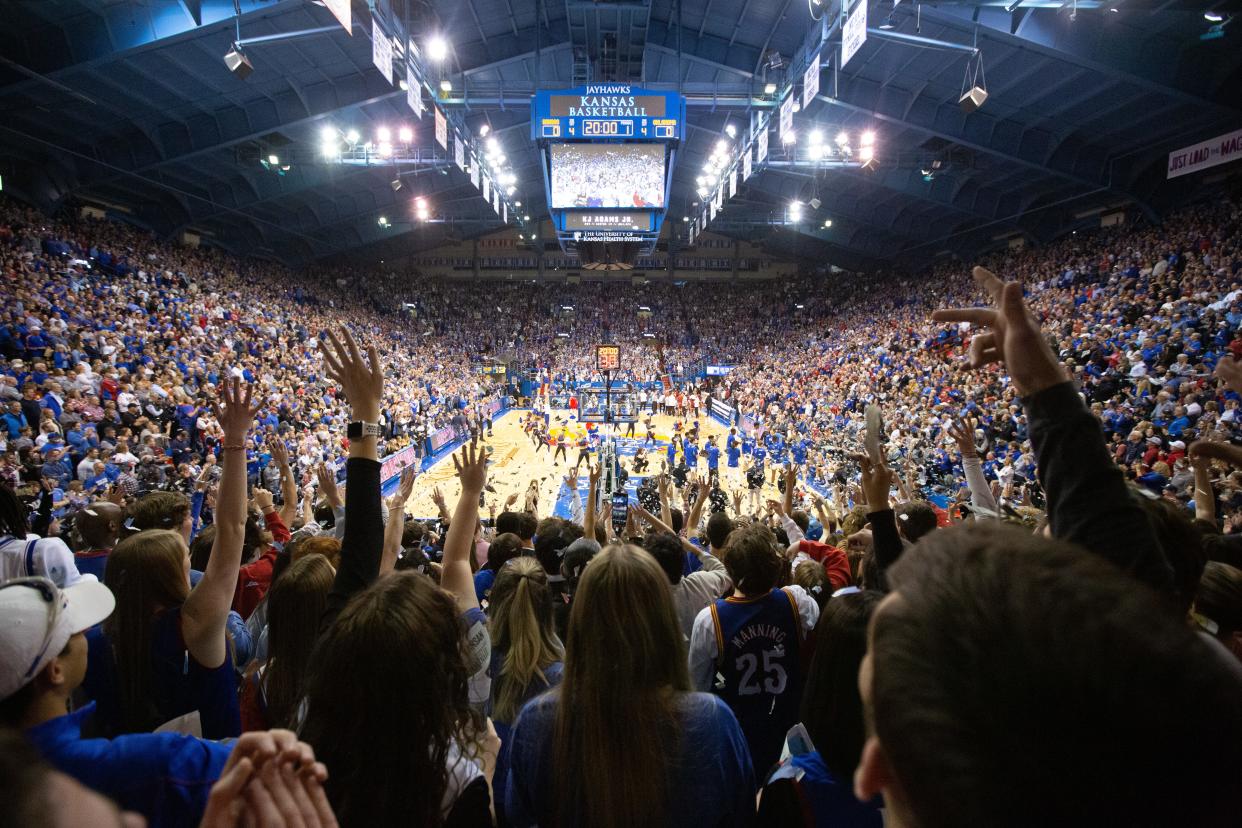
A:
834, 560
254, 578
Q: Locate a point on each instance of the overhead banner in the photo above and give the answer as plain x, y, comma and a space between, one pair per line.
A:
414, 91
487, 189
786, 123
810, 82
441, 128
854, 32
1219, 150
342, 11
733, 183
761, 145
504, 211
381, 51
496, 200
746, 163
459, 150
712, 210
474, 175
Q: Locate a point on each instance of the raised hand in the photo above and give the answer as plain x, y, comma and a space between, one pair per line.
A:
471, 466
877, 482
262, 499
963, 437
1014, 338
279, 452
593, 475
437, 495
510, 500
362, 380
404, 488
327, 484
233, 410
1211, 450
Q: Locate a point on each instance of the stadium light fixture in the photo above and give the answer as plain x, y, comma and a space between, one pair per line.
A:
352, 136
731, 130
722, 146
406, 135
1213, 16
395, 184
437, 48
493, 145
702, 191
383, 221
815, 152
385, 149
789, 137
446, 85
769, 89
510, 190
273, 160
685, 218
827, 222
327, 134
866, 154
842, 139
517, 204
483, 130
795, 211
238, 63
328, 149
816, 137
383, 135
526, 218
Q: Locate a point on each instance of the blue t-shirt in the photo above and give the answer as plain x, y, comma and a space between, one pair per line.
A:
179, 684
692, 454
166, 777
713, 456
710, 779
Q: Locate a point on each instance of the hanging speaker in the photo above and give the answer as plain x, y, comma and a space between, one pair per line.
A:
973, 99
238, 63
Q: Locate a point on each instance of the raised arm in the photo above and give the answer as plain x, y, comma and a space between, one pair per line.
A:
588, 521
696, 511
288, 485
396, 519
362, 381
206, 610
980, 491
791, 483
1088, 502
471, 465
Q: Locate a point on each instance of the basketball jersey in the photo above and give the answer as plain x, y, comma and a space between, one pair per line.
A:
759, 670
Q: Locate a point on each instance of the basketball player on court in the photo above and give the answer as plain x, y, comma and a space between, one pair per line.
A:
562, 445
650, 426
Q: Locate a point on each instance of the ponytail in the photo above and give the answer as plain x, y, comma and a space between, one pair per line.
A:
522, 629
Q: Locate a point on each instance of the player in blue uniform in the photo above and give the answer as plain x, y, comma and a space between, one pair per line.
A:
797, 450
734, 454
691, 450
753, 640
672, 452
712, 451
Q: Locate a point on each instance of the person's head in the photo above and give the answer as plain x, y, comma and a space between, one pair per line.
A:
162, 510
503, 548
12, 514
522, 524
99, 525
552, 538
42, 642
625, 661
295, 604
831, 707
719, 525
520, 620
1218, 605
1004, 666
35, 794
811, 576
666, 548
325, 545
148, 572
915, 519
400, 724
752, 560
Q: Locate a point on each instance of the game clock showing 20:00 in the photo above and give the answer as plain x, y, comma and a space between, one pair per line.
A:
607, 357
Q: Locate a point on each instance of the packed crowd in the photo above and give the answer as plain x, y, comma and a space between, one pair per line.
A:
200, 624
608, 175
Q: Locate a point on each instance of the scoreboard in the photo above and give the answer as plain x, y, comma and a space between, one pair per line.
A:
606, 111
607, 357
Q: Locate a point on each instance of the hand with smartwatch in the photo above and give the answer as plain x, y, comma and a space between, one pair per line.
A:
362, 381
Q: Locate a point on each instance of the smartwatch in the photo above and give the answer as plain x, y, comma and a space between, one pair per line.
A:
359, 429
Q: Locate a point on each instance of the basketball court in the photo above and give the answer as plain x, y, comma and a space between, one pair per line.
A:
515, 463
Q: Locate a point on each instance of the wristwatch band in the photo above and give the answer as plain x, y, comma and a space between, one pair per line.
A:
359, 429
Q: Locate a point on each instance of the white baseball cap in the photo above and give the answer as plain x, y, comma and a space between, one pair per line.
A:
37, 620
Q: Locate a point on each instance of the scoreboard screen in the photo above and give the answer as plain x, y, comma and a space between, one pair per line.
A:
607, 357
608, 111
